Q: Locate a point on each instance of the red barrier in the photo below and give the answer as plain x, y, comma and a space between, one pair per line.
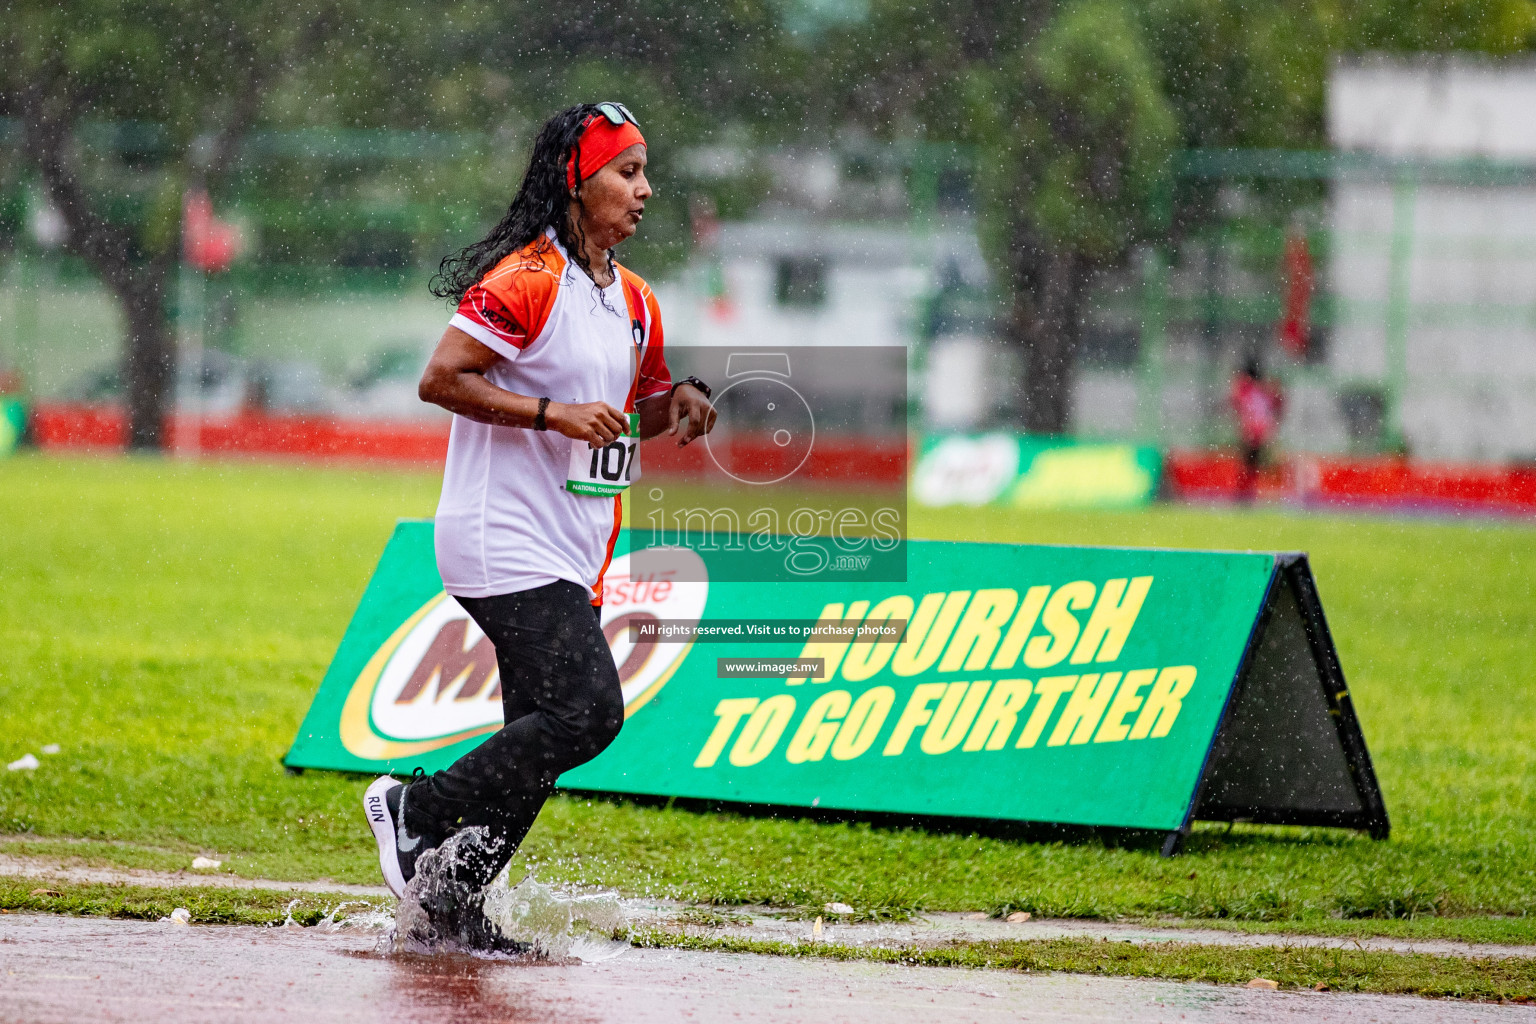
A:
1359, 481
832, 460
83, 427
89, 427
78, 426
1189, 475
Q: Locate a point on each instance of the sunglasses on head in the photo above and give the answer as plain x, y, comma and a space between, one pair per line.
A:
617, 114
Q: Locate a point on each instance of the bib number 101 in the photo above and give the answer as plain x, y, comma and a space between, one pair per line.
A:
606, 471
613, 462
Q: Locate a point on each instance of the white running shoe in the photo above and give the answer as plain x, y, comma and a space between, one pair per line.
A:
398, 849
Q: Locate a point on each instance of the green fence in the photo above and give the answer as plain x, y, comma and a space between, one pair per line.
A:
1421, 321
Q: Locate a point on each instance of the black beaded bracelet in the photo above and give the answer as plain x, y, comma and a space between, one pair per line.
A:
703, 388
538, 421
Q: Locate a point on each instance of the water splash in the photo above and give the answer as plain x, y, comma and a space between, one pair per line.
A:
557, 923
526, 921
374, 919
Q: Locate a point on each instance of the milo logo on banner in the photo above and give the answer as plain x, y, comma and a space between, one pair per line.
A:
1059, 635
435, 681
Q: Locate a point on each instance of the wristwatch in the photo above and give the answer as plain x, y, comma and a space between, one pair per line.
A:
705, 389
538, 420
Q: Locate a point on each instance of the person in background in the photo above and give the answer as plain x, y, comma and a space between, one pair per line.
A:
1259, 404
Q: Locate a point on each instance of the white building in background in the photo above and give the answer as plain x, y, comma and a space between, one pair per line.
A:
1434, 271
789, 280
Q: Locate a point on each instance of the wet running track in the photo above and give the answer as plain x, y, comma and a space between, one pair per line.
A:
77, 970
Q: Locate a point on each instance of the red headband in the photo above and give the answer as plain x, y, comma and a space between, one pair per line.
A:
601, 141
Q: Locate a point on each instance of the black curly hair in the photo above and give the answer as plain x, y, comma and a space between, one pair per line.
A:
542, 201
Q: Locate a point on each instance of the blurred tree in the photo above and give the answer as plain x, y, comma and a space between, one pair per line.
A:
1245, 75
1075, 134
1432, 26
1065, 106
693, 73
189, 80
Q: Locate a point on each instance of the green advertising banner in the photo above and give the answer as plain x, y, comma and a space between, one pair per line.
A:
13, 421
1034, 472
1092, 686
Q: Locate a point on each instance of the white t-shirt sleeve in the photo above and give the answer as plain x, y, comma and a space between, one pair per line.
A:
484, 335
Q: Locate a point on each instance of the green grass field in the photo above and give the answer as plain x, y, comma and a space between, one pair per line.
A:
166, 624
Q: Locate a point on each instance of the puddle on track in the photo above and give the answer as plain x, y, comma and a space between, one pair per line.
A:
62, 969
526, 921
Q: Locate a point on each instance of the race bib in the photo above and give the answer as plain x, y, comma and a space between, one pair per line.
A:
604, 472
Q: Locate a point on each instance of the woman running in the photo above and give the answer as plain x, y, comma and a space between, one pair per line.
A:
553, 347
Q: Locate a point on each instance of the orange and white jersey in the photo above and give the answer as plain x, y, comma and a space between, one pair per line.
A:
505, 522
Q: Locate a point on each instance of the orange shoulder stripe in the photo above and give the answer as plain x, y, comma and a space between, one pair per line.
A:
527, 281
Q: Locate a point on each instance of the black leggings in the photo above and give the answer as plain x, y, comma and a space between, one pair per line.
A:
562, 706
